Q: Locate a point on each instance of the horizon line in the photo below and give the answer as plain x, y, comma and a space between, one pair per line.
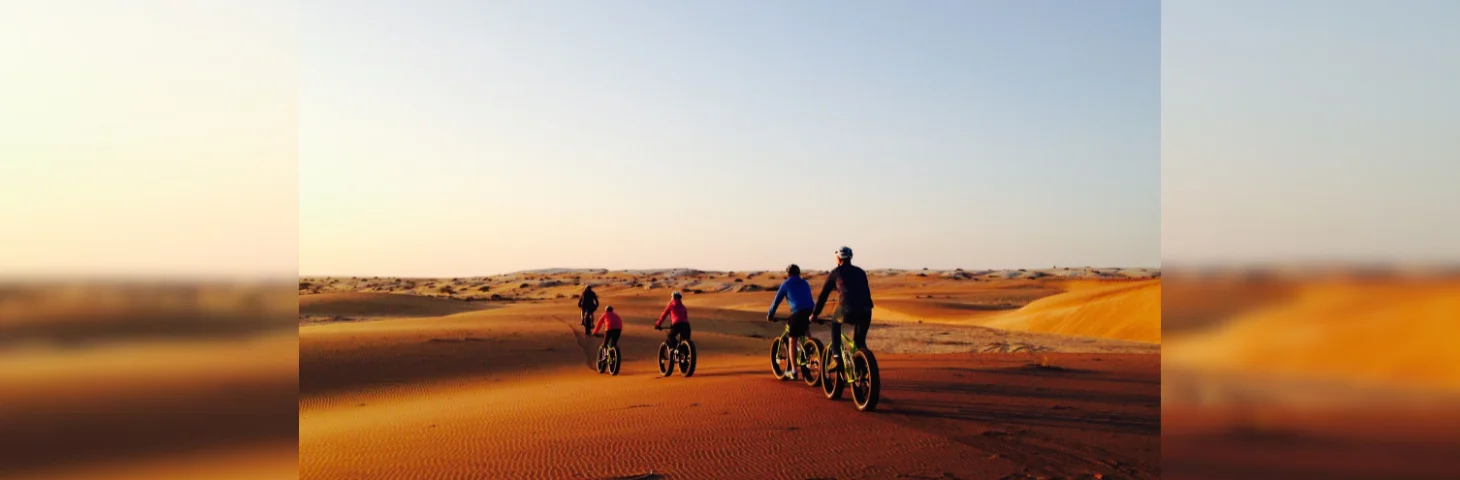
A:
930, 269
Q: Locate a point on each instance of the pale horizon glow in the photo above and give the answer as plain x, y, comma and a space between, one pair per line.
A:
464, 139
148, 140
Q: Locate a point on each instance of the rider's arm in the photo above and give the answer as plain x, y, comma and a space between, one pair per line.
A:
825, 292
780, 295
602, 320
663, 315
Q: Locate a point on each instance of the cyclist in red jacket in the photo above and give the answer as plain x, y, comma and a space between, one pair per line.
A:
678, 319
611, 325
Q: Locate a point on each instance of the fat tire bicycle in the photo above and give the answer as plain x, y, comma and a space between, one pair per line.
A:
609, 359
806, 357
858, 369
682, 355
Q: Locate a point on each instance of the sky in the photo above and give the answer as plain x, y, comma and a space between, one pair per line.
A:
1310, 131
470, 138
148, 139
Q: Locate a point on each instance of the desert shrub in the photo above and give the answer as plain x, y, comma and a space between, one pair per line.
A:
738, 280
446, 289
483, 288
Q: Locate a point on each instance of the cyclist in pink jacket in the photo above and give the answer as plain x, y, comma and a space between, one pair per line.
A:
679, 319
611, 325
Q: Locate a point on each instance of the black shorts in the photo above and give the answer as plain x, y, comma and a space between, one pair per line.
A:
611, 337
680, 330
799, 322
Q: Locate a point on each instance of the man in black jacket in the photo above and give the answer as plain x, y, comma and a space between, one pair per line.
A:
588, 303
854, 306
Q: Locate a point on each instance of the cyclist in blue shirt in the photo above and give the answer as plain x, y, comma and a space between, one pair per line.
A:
798, 291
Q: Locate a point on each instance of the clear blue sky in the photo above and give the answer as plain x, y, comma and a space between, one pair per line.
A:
1310, 131
462, 138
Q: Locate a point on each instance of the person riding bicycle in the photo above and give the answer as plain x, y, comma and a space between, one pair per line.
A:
588, 303
611, 325
679, 319
798, 291
854, 306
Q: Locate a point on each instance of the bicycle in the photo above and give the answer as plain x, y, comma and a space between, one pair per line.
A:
858, 369
585, 318
806, 355
682, 355
609, 359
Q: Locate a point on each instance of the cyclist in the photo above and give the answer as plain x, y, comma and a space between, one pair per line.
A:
679, 319
611, 325
854, 306
587, 303
798, 291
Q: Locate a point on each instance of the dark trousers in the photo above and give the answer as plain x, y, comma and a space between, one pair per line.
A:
587, 321
859, 321
610, 338
677, 331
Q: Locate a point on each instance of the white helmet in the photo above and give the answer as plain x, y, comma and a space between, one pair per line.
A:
844, 253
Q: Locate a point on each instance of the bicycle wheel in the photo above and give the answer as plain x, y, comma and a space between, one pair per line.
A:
602, 362
832, 380
811, 371
687, 357
614, 361
666, 368
779, 360
868, 387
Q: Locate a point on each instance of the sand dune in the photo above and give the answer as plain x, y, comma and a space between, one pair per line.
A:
508, 392
366, 305
1323, 325
1124, 310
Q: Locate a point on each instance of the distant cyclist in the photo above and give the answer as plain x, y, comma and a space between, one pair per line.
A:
588, 303
854, 306
678, 317
798, 291
611, 325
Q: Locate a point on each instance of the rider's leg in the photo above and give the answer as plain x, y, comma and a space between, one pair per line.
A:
612, 337
836, 343
859, 334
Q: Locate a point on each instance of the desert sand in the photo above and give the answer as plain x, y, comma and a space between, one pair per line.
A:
1294, 373
395, 384
147, 380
